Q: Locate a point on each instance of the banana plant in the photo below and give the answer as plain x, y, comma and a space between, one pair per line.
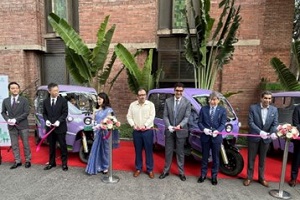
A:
137, 76
208, 52
86, 66
287, 79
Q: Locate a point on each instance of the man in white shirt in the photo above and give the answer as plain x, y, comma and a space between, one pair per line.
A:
140, 116
263, 122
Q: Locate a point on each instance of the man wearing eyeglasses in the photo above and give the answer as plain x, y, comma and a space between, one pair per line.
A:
176, 115
212, 120
263, 122
140, 116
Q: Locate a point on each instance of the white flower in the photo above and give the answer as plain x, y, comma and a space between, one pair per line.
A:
289, 135
110, 126
279, 134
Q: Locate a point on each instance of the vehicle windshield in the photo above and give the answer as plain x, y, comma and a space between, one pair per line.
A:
285, 106
73, 110
84, 102
78, 102
203, 101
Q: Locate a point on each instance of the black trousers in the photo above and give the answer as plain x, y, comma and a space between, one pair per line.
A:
296, 160
61, 138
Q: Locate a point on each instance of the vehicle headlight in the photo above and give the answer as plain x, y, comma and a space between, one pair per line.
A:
87, 120
228, 128
70, 119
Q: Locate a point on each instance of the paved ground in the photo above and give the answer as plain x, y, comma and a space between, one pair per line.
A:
35, 183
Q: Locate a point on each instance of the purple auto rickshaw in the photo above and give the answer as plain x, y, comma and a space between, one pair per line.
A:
81, 102
231, 161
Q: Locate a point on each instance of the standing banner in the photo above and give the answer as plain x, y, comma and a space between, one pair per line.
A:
4, 135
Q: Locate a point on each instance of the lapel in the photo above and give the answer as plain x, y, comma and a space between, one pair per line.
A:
216, 115
172, 107
16, 106
268, 115
259, 113
180, 105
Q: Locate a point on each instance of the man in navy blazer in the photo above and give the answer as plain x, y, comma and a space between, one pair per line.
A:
15, 110
212, 119
263, 122
55, 112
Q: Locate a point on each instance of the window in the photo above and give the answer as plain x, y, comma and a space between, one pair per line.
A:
172, 15
67, 9
171, 59
159, 103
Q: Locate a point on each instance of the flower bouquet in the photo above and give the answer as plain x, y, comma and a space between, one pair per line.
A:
108, 123
111, 124
287, 131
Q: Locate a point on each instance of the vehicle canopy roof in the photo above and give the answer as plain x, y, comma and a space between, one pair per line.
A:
189, 91
71, 88
286, 94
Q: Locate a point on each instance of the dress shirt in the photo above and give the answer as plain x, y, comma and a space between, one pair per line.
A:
176, 100
12, 99
141, 114
54, 100
264, 113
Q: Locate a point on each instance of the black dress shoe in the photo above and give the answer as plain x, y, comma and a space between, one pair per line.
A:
15, 165
27, 164
182, 177
49, 167
214, 181
65, 168
201, 179
163, 175
292, 183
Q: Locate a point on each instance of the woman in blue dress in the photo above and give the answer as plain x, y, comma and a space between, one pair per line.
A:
99, 156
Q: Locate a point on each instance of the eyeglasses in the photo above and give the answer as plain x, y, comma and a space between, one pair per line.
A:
178, 90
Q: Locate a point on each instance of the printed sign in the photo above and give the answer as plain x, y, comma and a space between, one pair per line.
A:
4, 135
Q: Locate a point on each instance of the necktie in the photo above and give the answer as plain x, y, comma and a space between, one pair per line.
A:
175, 111
52, 104
14, 103
212, 110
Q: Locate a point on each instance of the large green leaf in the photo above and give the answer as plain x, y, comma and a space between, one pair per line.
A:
227, 49
132, 82
128, 60
75, 65
101, 50
287, 79
107, 69
296, 52
69, 36
147, 78
101, 30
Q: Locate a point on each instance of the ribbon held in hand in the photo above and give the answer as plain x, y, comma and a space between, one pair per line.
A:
43, 138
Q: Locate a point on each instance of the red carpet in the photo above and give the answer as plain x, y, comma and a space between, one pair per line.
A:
123, 159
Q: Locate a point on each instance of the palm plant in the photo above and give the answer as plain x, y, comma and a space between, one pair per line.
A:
287, 79
137, 76
207, 53
86, 66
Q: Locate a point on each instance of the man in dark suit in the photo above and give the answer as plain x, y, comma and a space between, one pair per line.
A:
263, 122
296, 153
15, 110
212, 119
55, 112
176, 115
